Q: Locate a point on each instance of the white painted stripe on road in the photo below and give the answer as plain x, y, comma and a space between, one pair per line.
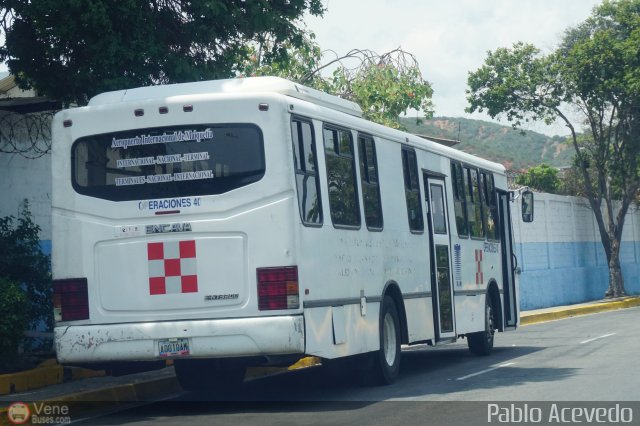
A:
596, 338
485, 371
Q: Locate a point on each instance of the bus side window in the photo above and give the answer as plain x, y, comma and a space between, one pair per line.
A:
474, 206
343, 197
459, 199
369, 182
489, 205
412, 189
304, 152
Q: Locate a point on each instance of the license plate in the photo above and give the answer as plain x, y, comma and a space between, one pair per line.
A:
173, 347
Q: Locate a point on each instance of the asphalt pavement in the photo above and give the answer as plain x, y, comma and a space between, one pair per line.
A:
154, 385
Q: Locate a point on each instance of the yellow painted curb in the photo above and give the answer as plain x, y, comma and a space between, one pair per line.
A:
309, 361
255, 372
47, 373
41, 376
535, 318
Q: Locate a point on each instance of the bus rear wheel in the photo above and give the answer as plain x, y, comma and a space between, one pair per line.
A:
208, 374
387, 358
481, 343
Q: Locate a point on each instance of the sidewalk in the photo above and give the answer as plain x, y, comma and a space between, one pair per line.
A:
560, 312
154, 384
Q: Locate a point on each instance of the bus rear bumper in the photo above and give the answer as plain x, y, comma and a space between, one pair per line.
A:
217, 338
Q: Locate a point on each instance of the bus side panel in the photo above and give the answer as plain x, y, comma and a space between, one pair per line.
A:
469, 313
419, 319
337, 331
356, 263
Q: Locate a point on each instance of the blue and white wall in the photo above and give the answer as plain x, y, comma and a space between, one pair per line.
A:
561, 256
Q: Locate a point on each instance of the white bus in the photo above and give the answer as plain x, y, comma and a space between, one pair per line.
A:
250, 221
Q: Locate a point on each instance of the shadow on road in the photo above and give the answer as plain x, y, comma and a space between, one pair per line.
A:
318, 396
425, 371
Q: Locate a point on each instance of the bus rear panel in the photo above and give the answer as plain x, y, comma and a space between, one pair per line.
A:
169, 230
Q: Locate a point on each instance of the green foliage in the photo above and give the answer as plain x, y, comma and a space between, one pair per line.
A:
385, 86
596, 70
13, 320
542, 177
519, 83
22, 262
73, 49
298, 64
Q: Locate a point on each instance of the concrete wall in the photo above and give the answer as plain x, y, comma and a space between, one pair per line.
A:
561, 256
22, 178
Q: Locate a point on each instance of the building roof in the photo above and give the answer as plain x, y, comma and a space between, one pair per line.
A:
22, 102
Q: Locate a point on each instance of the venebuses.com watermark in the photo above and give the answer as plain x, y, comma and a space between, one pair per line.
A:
551, 413
38, 413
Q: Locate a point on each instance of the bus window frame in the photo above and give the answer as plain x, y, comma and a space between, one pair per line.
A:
457, 178
337, 128
363, 179
314, 148
406, 177
491, 202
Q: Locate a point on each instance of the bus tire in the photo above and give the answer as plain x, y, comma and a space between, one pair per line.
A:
387, 358
208, 374
481, 343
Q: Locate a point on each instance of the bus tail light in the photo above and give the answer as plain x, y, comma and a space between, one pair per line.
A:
70, 299
278, 288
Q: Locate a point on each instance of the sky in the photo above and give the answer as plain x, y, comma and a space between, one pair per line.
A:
449, 38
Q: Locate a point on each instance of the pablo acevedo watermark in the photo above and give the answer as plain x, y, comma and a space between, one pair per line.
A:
565, 412
38, 413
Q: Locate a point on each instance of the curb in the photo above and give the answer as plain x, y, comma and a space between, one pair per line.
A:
87, 401
534, 318
46, 374
43, 375
257, 372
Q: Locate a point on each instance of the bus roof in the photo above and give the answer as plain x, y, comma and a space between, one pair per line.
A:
234, 85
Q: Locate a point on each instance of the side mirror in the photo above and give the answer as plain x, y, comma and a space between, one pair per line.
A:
527, 206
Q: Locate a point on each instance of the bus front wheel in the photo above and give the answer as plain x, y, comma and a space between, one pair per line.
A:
387, 358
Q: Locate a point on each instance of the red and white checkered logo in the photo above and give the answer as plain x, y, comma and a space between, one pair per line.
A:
479, 274
172, 267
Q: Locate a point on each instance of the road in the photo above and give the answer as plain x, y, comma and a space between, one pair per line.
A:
589, 358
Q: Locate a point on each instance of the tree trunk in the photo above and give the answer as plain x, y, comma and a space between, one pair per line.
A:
616, 282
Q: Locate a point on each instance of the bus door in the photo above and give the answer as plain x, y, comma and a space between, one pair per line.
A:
509, 262
441, 288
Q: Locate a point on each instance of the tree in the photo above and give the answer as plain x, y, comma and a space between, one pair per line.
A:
71, 50
542, 178
23, 263
384, 85
596, 71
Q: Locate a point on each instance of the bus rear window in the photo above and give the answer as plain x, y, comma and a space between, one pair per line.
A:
167, 162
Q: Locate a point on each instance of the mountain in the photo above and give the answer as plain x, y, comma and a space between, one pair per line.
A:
502, 144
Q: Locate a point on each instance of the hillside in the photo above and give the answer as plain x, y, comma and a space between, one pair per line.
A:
498, 143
